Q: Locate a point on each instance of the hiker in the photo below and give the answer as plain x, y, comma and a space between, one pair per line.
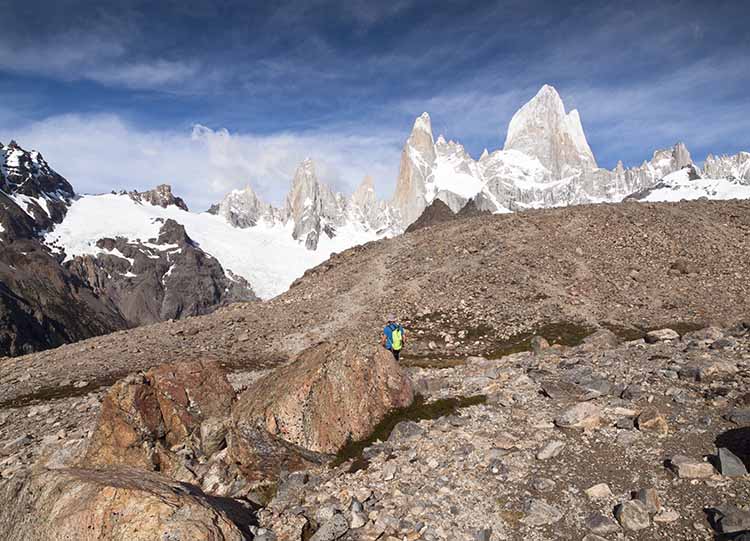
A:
393, 336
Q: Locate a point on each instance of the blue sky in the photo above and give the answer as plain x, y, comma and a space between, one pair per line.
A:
209, 96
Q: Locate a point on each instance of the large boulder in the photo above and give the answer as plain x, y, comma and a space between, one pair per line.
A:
115, 505
332, 394
146, 415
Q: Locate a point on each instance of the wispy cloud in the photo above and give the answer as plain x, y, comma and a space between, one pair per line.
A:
98, 153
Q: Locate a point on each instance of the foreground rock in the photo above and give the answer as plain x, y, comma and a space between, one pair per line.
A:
145, 417
334, 393
115, 505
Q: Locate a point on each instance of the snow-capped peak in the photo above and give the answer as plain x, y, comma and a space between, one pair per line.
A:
542, 129
423, 123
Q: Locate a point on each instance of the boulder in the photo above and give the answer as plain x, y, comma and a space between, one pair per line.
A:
651, 420
143, 416
687, 468
121, 504
332, 394
539, 344
662, 335
600, 340
632, 515
649, 497
599, 524
550, 450
599, 492
729, 464
583, 415
540, 513
730, 519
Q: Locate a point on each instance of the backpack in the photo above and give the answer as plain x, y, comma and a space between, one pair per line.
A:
396, 338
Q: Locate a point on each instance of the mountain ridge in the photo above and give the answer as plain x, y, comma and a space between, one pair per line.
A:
107, 246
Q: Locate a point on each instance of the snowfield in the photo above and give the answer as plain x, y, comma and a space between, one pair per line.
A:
265, 255
677, 186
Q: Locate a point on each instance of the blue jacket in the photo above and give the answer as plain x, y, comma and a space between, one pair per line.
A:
388, 332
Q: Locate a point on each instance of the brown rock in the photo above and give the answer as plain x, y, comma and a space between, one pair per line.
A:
166, 406
332, 394
688, 468
651, 419
129, 425
188, 393
583, 415
112, 505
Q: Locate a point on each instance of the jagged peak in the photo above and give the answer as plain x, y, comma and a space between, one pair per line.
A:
161, 196
367, 183
423, 123
548, 90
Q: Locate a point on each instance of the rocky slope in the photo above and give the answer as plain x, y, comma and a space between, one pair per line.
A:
605, 440
526, 458
491, 276
47, 302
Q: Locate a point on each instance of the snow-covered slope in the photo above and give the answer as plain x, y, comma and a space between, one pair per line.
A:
684, 186
266, 255
313, 210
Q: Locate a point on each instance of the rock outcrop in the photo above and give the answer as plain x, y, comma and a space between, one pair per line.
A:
243, 208
168, 277
33, 185
161, 196
437, 212
115, 505
333, 393
144, 417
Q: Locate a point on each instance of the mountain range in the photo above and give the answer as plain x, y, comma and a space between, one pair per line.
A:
73, 266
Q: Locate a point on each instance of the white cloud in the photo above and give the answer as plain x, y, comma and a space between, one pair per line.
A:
99, 153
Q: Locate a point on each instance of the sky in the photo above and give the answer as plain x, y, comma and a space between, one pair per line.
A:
212, 96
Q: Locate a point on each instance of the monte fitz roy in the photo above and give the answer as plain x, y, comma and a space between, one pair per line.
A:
74, 266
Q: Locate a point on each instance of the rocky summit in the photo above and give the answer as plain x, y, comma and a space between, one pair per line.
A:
575, 373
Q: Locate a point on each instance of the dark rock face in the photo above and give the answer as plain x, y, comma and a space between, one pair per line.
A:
42, 304
438, 212
46, 304
31, 182
470, 209
166, 278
